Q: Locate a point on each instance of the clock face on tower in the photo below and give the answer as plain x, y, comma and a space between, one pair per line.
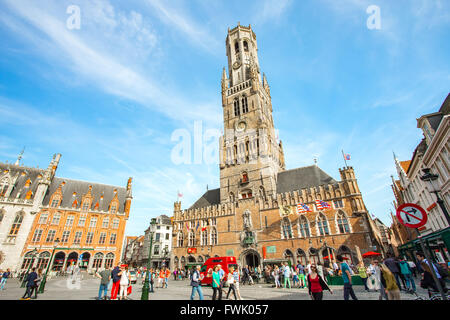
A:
236, 65
241, 126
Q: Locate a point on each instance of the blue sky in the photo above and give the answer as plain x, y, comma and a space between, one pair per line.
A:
109, 96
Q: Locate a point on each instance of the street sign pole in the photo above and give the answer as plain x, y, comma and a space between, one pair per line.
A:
430, 261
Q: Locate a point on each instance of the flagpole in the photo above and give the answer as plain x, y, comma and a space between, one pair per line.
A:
345, 161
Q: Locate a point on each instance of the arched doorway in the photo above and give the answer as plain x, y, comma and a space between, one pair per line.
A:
58, 261
250, 258
289, 256
43, 260
109, 260
301, 257
191, 259
176, 262
85, 257
313, 255
71, 261
98, 260
183, 262
328, 256
345, 252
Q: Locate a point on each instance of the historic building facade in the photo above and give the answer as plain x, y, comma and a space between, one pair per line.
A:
161, 244
22, 191
82, 222
253, 215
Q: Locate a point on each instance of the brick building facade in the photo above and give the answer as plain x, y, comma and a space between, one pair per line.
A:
253, 215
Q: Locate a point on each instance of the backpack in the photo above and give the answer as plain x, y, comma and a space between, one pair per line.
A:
442, 271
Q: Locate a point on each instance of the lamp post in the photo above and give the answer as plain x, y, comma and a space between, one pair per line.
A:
430, 177
146, 287
44, 279
33, 255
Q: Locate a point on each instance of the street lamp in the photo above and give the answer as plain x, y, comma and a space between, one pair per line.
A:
431, 178
146, 287
44, 279
33, 255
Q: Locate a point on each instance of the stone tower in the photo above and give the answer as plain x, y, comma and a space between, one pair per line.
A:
251, 155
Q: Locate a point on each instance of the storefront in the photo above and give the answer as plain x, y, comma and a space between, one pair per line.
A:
436, 243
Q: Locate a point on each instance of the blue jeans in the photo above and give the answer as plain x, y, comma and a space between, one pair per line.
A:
409, 279
104, 288
348, 290
199, 290
3, 282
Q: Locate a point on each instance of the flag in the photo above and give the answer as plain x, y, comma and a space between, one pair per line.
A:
198, 224
187, 227
347, 156
204, 229
179, 194
322, 204
302, 208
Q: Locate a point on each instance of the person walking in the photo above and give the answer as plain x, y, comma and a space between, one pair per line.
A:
389, 283
222, 280
392, 264
421, 257
374, 281
216, 283
5, 277
166, 280
124, 282
295, 281
346, 277
116, 282
196, 279
161, 280
407, 274
413, 267
105, 277
231, 283
37, 282
301, 277
276, 276
152, 276
363, 274
316, 284
287, 275
30, 284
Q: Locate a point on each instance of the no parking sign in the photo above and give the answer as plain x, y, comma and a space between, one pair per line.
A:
411, 215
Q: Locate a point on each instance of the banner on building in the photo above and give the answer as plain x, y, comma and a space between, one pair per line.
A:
285, 211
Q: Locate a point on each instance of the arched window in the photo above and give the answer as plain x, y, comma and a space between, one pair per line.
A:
286, 228
98, 259
16, 224
244, 105
4, 184
236, 47
304, 227
44, 258
245, 46
313, 255
192, 238
213, 236
180, 239
342, 223
237, 109
301, 257
109, 260
322, 225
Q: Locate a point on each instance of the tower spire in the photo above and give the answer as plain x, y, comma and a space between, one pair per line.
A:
19, 157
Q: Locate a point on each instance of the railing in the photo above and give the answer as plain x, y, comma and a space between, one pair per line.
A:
241, 86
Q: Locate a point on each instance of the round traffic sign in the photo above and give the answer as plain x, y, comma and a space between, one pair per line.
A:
411, 215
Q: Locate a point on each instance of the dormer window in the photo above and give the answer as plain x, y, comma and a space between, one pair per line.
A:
86, 205
113, 209
427, 131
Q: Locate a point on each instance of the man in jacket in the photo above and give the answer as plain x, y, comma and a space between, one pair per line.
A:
32, 276
195, 283
347, 278
5, 277
407, 274
116, 282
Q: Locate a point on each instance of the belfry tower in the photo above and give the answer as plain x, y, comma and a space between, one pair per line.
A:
251, 155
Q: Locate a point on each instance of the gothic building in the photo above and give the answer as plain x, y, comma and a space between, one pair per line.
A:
22, 191
253, 215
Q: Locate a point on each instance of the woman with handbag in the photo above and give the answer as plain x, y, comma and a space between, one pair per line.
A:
316, 284
231, 283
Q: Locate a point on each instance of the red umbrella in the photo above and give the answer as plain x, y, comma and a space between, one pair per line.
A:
371, 254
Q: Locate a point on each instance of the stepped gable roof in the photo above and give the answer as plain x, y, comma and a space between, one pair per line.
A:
23, 174
81, 188
209, 198
300, 178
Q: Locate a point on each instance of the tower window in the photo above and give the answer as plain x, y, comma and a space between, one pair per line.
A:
237, 109
244, 105
236, 47
245, 46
